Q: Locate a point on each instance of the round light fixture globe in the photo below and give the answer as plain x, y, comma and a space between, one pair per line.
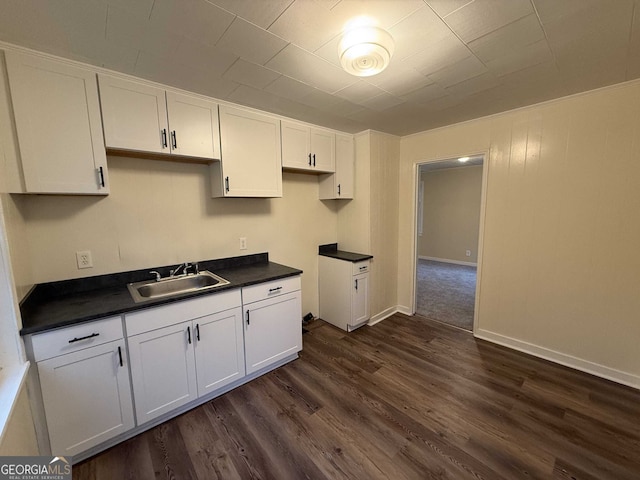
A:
365, 51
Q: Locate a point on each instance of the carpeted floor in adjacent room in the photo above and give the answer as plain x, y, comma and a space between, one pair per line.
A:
446, 292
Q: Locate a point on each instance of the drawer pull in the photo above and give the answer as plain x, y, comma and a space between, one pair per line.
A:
363, 268
273, 290
248, 321
189, 334
356, 284
120, 356
76, 339
198, 331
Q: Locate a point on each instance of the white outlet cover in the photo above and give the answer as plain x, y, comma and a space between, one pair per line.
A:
83, 259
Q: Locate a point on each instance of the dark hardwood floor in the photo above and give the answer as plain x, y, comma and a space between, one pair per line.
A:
407, 398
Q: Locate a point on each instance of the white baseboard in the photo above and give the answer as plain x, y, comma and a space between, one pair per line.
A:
377, 318
447, 260
570, 361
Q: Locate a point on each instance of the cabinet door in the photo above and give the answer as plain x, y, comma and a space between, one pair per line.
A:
58, 124
134, 115
273, 330
360, 300
219, 350
341, 183
162, 370
87, 397
323, 150
296, 150
193, 125
251, 163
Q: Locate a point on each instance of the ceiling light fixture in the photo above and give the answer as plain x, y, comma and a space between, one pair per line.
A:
365, 51
464, 159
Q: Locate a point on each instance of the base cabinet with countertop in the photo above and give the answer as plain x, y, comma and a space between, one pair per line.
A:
343, 284
84, 379
273, 330
173, 352
102, 381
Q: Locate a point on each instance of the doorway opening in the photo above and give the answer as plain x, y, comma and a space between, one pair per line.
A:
449, 204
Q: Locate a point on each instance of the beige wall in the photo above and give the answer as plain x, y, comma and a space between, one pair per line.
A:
161, 213
559, 268
20, 437
451, 213
18, 244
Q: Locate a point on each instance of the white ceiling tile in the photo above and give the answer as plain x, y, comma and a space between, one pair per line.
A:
458, 72
525, 57
473, 85
307, 24
251, 42
262, 14
382, 102
329, 51
445, 7
398, 80
359, 91
417, 32
509, 39
443, 53
320, 99
289, 88
310, 69
139, 6
250, 74
425, 94
484, 16
343, 108
137, 31
262, 100
206, 58
385, 13
195, 19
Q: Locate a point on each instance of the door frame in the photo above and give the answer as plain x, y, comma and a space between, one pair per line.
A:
483, 201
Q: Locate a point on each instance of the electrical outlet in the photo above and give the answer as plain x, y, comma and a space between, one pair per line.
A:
243, 243
468, 253
84, 259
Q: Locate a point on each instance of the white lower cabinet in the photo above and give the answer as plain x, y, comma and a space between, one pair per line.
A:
184, 350
273, 315
163, 370
86, 392
219, 350
343, 292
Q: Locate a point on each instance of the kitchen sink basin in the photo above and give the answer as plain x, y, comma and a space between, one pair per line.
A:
152, 289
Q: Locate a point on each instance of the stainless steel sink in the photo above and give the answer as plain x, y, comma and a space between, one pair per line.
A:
151, 289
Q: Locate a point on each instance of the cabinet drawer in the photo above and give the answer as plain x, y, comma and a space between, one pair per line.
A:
360, 267
71, 339
274, 288
177, 312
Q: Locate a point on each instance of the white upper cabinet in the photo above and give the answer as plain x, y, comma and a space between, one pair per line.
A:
340, 185
251, 164
58, 126
145, 118
193, 126
307, 148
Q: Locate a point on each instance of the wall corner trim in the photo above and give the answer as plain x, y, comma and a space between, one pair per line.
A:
570, 361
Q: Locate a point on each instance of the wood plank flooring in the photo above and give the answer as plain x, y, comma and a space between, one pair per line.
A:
406, 399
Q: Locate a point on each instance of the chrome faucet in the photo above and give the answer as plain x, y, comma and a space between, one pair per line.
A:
158, 276
183, 267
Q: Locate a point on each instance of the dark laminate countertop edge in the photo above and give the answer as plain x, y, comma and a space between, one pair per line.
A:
331, 250
47, 311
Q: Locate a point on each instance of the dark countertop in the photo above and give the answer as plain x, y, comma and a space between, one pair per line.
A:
58, 304
331, 250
